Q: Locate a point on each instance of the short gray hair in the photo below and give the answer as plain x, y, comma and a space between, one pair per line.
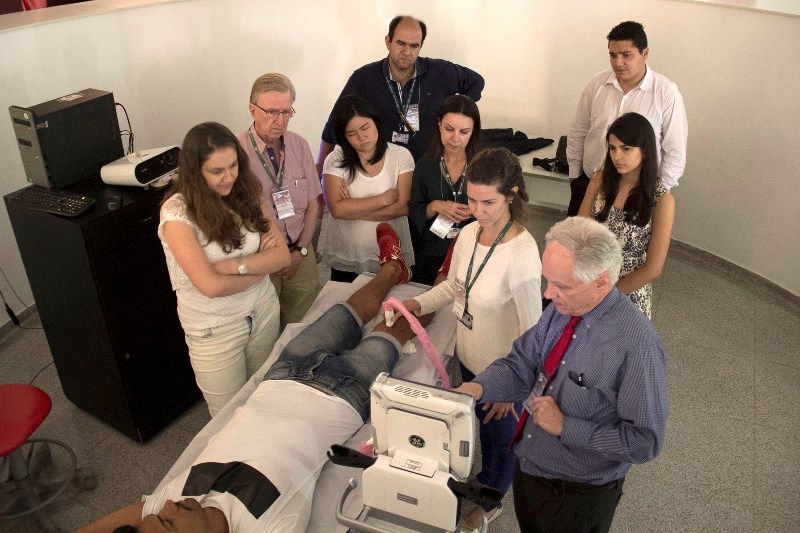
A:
593, 247
271, 81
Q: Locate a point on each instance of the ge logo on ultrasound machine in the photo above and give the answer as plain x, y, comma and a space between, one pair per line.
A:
416, 441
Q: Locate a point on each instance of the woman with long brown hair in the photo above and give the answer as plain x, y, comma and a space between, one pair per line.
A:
220, 247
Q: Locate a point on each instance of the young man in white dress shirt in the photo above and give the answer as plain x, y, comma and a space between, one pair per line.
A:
629, 85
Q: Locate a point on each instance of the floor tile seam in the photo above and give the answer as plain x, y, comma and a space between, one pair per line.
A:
91, 450
679, 354
754, 466
781, 364
90, 504
690, 348
789, 436
710, 493
719, 414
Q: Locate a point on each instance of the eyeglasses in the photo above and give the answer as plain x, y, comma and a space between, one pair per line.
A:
274, 113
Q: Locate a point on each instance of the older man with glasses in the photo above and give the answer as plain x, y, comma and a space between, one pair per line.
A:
283, 162
594, 373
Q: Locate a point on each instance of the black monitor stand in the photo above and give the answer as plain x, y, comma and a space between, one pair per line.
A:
103, 293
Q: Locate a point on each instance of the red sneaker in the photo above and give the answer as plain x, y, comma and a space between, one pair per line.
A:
389, 250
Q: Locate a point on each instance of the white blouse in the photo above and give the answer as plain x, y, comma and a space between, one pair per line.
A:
351, 245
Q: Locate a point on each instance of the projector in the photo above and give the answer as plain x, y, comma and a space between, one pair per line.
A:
142, 168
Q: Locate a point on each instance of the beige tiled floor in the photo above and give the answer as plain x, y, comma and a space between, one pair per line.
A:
732, 457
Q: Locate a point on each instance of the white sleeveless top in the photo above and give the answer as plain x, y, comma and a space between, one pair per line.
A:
195, 310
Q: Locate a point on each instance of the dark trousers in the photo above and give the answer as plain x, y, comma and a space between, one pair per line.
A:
577, 189
343, 275
549, 505
497, 461
426, 268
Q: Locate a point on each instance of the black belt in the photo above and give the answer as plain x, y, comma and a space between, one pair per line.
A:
583, 487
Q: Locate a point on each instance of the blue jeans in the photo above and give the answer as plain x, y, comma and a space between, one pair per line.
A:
497, 461
333, 353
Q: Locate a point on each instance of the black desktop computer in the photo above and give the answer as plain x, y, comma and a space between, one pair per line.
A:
68, 139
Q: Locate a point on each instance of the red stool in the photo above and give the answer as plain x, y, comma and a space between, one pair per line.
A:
33, 482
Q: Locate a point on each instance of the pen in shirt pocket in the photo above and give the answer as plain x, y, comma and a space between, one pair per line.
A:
577, 379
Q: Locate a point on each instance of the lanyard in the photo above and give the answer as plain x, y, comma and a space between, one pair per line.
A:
403, 111
467, 284
277, 180
446, 175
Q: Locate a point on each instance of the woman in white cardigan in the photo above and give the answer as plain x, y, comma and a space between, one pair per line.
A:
494, 288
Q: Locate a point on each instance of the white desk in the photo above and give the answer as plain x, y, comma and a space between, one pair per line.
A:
545, 188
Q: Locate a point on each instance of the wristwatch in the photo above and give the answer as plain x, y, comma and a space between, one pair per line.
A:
242, 268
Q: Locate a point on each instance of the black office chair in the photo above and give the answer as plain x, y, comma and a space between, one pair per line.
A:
35, 480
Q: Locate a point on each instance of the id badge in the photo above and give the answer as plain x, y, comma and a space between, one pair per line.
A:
412, 116
283, 203
453, 233
399, 138
460, 300
460, 305
442, 227
466, 319
538, 390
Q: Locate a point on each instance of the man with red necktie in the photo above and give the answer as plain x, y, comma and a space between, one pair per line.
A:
593, 371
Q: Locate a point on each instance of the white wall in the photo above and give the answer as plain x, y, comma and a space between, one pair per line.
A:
176, 64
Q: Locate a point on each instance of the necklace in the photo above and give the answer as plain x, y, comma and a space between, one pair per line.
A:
446, 176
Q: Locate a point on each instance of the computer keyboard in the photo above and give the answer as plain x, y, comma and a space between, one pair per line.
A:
68, 204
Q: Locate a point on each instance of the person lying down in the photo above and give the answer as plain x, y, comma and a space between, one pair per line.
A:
258, 473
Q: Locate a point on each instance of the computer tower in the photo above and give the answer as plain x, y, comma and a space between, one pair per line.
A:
68, 139
104, 296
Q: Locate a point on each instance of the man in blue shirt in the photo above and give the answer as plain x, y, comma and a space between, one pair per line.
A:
603, 408
407, 90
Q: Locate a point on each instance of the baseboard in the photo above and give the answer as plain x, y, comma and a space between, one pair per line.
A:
707, 259
9, 326
703, 258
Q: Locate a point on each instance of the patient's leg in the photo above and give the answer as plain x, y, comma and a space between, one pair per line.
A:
339, 328
367, 300
401, 330
350, 374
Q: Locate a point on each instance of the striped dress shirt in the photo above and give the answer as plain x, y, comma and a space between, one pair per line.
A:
618, 415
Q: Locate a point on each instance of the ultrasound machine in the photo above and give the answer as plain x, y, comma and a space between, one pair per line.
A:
416, 479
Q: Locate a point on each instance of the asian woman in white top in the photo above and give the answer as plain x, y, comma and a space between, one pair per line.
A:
366, 181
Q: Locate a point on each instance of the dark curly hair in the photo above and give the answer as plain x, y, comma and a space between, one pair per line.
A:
629, 31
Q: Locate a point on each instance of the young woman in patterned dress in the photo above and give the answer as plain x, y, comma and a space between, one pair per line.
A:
642, 210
